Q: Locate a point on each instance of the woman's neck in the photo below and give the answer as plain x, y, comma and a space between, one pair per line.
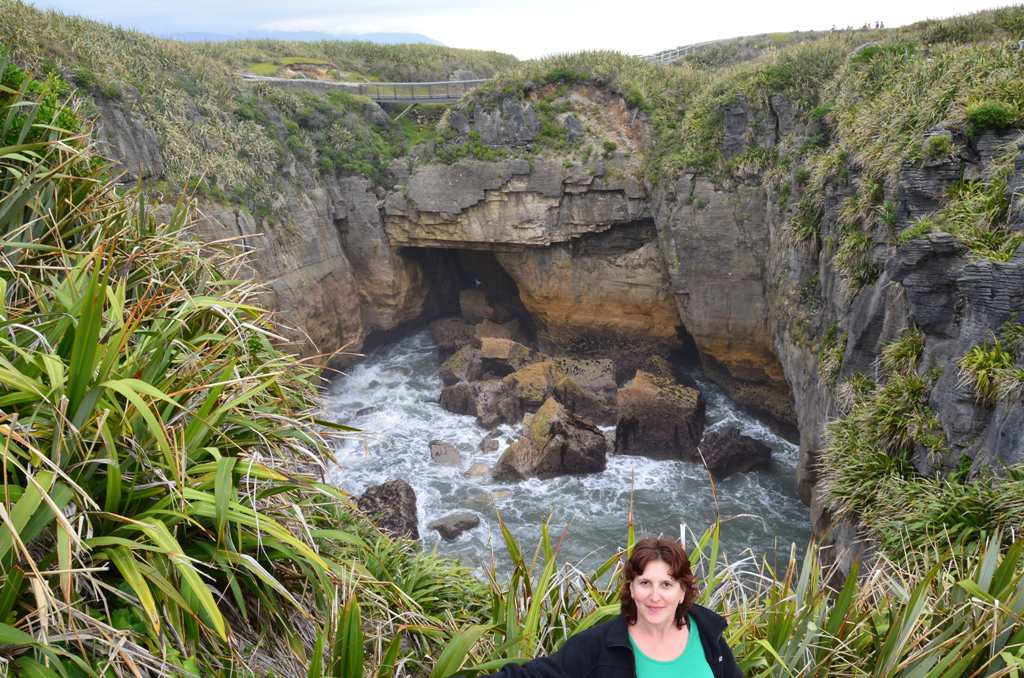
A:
656, 632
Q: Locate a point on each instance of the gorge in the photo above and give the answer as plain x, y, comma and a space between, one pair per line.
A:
779, 282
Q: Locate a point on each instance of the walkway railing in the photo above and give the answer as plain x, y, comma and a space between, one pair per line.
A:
669, 56
440, 92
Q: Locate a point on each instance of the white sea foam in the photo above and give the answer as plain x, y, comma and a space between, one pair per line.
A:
393, 396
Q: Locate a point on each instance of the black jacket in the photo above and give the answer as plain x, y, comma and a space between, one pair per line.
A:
603, 651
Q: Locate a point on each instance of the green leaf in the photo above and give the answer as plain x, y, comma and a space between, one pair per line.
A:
348, 641
125, 563
454, 654
223, 492
13, 636
81, 365
160, 535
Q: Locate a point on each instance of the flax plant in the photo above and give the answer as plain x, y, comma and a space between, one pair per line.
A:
160, 509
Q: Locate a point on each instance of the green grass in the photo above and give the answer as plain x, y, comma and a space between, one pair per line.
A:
976, 213
830, 355
263, 68
989, 370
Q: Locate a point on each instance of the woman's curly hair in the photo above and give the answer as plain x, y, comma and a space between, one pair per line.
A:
670, 552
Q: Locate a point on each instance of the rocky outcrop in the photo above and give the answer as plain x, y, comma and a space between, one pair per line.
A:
451, 526
605, 295
512, 203
727, 451
577, 242
716, 245
658, 418
331, 275
392, 506
556, 443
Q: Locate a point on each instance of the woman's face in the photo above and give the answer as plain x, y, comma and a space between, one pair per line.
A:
656, 593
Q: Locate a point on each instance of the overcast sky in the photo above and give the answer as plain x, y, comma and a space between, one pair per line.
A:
526, 28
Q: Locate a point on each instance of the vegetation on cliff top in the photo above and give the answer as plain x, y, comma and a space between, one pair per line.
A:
358, 61
229, 140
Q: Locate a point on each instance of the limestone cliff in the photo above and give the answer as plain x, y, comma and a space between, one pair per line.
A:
330, 272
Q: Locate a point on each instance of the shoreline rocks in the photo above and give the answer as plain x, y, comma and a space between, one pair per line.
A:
451, 526
392, 507
727, 451
658, 418
555, 443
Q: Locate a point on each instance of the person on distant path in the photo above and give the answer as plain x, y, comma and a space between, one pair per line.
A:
661, 633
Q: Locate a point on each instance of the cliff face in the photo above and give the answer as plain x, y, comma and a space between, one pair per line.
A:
578, 243
330, 272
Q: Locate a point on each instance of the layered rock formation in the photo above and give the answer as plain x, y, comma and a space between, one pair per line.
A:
577, 242
329, 270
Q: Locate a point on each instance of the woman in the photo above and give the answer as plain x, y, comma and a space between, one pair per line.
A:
660, 633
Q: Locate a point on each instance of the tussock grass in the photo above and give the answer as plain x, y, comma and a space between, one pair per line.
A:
869, 467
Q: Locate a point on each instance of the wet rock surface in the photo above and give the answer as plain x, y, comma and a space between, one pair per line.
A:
444, 453
727, 451
392, 507
451, 526
555, 443
658, 418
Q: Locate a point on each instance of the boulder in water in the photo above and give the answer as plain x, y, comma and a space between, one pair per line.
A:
556, 443
496, 404
392, 507
478, 470
444, 453
459, 398
490, 443
534, 383
658, 418
454, 524
727, 451
502, 356
463, 365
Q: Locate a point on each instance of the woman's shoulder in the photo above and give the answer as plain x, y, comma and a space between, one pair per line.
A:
611, 631
708, 621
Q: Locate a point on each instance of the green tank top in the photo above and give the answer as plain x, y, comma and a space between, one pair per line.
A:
690, 664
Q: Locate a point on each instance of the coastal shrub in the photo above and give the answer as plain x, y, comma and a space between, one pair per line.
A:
803, 225
867, 466
852, 259
982, 369
903, 355
991, 115
160, 515
938, 146
830, 354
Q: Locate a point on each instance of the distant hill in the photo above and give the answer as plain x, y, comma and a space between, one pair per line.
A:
306, 36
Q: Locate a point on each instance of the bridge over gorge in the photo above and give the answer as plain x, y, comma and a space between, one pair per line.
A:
440, 92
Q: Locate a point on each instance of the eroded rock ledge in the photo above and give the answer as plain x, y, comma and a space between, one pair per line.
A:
512, 203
